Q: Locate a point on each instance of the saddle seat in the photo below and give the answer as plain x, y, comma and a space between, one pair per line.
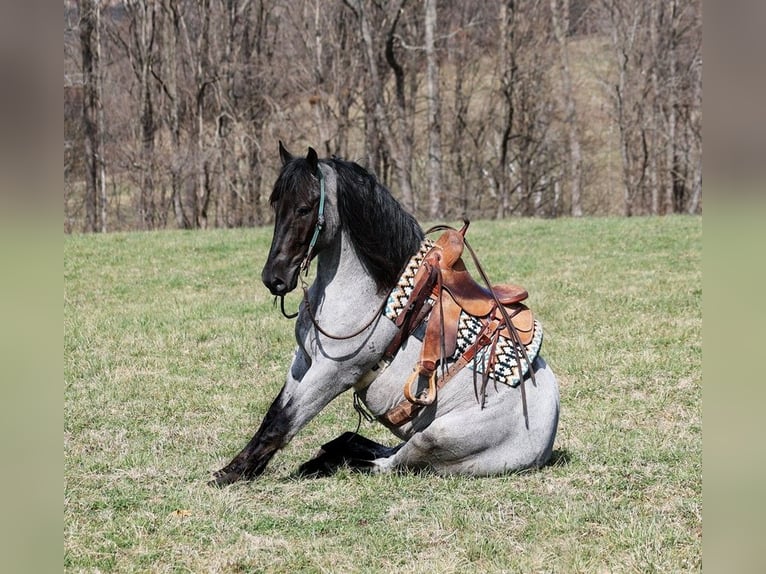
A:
472, 297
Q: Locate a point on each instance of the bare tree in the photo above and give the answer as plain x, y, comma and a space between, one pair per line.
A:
561, 26
319, 100
169, 44
203, 78
625, 22
508, 53
434, 169
656, 48
474, 104
93, 116
523, 174
694, 134
396, 139
140, 47
262, 84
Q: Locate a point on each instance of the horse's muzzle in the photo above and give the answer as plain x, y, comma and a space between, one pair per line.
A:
279, 284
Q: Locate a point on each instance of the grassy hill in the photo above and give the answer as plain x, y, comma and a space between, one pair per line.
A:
173, 351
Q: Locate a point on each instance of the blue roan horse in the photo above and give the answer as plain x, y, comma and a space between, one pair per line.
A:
362, 239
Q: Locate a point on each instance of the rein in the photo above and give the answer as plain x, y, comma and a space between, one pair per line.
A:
514, 335
339, 337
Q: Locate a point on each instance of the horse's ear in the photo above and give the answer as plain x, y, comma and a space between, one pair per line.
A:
313, 159
284, 154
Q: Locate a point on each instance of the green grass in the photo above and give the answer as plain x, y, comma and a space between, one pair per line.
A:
173, 351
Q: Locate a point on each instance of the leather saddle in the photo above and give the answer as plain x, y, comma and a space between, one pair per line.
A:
443, 290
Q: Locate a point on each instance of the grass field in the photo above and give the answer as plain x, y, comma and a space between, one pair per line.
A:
173, 351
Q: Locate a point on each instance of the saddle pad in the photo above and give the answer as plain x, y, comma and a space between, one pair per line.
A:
401, 292
505, 368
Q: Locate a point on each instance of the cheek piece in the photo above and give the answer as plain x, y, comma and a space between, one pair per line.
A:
319, 225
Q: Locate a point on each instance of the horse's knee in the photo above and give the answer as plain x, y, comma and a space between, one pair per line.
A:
425, 442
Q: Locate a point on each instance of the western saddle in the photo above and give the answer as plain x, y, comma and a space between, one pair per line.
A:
443, 289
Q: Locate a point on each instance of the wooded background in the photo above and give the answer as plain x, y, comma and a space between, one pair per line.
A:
173, 109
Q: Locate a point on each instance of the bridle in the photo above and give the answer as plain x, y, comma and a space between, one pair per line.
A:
304, 270
318, 227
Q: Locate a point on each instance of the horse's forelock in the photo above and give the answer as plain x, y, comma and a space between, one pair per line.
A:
295, 181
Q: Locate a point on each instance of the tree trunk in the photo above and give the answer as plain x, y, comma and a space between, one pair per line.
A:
170, 31
319, 99
142, 14
401, 137
460, 115
696, 138
435, 189
561, 30
92, 111
147, 207
508, 86
202, 191
670, 149
395, 140
255, 215
655, 107
622, 41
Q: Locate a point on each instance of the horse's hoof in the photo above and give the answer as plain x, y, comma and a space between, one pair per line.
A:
320, 466
234, 467
223, 478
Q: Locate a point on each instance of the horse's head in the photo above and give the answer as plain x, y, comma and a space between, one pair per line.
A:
296, 203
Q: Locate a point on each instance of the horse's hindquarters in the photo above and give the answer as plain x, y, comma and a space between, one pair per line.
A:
463, 438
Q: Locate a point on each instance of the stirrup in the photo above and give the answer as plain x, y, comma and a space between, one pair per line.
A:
430, 396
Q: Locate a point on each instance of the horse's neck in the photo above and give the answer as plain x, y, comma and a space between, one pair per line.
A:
342, 281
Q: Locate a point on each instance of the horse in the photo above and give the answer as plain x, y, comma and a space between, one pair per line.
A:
337, 213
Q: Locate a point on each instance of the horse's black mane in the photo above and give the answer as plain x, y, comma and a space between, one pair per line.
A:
384, 235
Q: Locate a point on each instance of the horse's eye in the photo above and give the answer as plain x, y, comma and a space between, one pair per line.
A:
303, 211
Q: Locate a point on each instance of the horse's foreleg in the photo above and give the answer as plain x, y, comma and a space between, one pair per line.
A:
270, 437
302, 397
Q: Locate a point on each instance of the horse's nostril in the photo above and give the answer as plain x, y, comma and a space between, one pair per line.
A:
276, 286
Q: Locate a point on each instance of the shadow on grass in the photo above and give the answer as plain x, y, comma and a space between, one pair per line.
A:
560, 457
